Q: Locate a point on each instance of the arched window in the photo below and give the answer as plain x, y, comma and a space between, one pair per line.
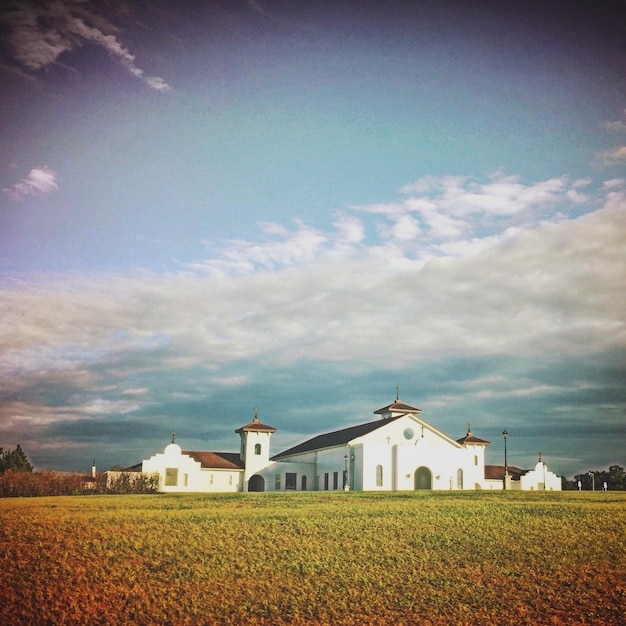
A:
303, 482
379, 475
475, 459
459, 478
257, 449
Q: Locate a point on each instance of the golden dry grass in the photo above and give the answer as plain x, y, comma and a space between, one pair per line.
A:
315, 558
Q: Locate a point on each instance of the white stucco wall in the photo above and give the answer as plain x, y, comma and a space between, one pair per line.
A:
374, 455
329, 461
255, 462
190, 477
474, 474
281, 468
540, 479
443, 460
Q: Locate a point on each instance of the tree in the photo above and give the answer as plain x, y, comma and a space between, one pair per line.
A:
15, 460
614, 477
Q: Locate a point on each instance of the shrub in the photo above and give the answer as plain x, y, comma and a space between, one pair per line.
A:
123, 481
15, 483
29, 484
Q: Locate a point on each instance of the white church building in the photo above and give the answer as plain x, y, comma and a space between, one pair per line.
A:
398, 451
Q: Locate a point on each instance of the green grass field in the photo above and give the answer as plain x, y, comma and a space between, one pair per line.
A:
315, 558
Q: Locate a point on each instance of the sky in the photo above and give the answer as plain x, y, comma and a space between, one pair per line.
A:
211, 206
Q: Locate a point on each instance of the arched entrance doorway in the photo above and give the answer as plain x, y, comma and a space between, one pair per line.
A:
256, 483
423, 478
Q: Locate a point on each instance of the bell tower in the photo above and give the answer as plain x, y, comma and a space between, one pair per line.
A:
255, 446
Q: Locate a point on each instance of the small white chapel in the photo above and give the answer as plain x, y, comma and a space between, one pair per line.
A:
397, 451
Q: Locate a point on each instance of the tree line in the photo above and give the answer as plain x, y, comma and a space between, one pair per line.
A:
614, 479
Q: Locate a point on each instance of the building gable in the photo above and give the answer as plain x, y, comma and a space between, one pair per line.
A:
406, 429
336, 438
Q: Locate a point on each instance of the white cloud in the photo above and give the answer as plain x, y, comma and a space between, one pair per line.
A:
350, 230
559, 287
40, 180
457, 213
101, 406
39, 33
230, 381
521, 392
136, 391
615, 156
406, 228
430, 184
285, 248
116, 50
615, 183
156, 83
576, 197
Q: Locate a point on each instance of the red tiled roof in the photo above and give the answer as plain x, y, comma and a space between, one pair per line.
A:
397, 406
469, 438
496, 472
216, 460
256, 426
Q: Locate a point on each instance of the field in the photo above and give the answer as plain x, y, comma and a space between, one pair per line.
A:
315, 558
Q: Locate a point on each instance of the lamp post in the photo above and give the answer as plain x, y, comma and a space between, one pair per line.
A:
346, 486
505, 435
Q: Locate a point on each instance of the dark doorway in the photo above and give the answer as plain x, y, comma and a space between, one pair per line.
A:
256, 483
423, 478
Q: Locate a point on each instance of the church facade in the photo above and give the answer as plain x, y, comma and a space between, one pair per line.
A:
398, 451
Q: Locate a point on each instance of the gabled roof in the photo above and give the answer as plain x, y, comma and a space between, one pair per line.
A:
397, 407
469, 438
256, 426
336, 438
216, 460
496, 472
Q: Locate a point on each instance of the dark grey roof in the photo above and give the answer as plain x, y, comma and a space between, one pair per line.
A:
336, 438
